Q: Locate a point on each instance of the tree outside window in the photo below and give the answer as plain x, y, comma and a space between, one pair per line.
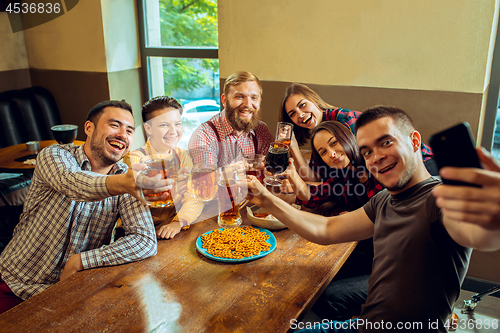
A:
180, 55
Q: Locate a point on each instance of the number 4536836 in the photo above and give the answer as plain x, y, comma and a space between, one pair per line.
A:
474, 324
34, 8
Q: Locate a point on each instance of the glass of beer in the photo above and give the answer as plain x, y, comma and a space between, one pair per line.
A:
276, 162
254, 165
167, 166
203, 181
284, 133
228, 196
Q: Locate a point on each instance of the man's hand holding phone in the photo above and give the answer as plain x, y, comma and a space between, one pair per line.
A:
478, 205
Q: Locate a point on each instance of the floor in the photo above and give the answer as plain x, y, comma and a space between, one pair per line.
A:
486, 314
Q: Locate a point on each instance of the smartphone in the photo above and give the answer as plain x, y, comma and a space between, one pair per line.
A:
454, 147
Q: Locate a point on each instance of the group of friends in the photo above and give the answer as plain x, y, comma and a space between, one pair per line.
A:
373, 165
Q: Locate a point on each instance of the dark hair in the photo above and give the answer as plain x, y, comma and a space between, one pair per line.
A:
159, 103
302, 134
402, 120
344, 136
96, 112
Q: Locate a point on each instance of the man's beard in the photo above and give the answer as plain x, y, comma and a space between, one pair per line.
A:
241, 124
98, 150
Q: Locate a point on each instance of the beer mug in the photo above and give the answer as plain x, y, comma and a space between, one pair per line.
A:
284, 133
255, 165
167, 166
203, 181
228, 197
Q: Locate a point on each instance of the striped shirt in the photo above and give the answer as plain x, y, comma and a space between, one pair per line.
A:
69, 210
204, 147
191, 207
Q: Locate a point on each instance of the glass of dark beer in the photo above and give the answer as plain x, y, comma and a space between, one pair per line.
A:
276, 162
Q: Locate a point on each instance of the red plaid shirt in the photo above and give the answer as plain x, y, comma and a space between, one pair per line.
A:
204, 147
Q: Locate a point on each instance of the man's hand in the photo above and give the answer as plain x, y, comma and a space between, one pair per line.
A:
470, 204
73, 265
133, 181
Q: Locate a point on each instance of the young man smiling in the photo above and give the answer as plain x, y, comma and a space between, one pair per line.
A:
75, 198
237, 130
421, 257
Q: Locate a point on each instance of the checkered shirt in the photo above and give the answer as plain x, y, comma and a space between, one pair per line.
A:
345, 116
204, 148
69, 210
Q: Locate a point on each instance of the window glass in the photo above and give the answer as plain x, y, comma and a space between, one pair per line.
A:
181, 23
173, 30
495, 146
193, 82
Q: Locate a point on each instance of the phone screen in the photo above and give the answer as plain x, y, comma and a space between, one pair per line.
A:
454, 147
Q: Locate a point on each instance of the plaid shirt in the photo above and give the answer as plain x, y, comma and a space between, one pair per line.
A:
69, 210
347, 190
204, 147
344, 116
348, 118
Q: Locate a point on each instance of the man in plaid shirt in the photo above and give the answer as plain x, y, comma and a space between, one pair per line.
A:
75, 198
237, 130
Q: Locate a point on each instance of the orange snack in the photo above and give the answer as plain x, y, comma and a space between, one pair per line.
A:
235, 243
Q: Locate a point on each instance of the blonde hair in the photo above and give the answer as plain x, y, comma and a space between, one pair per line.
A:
240, 77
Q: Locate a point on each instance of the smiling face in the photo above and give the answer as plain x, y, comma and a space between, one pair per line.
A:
164, 129
330, 150
109, 140
389, 153
303, 112
242, 106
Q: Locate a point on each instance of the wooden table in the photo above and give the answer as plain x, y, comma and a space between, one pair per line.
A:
8, 156
179, 290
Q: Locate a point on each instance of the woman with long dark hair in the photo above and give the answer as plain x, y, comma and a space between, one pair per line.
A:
347, 182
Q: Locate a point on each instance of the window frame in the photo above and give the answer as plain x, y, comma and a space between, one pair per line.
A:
190, 52
492, 101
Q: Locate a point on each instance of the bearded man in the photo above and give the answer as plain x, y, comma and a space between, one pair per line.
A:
237, 130
75, 199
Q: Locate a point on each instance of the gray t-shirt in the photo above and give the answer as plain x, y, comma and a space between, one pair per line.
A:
417, 268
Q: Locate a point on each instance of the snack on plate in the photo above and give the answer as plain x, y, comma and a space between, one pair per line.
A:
236, 243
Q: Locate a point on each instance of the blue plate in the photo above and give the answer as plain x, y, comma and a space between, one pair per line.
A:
271, 240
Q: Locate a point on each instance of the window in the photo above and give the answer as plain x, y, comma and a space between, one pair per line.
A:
179, 49
490, 136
